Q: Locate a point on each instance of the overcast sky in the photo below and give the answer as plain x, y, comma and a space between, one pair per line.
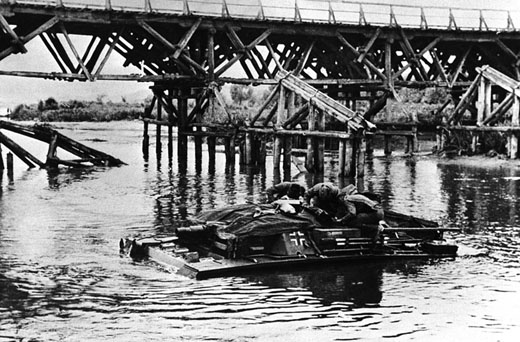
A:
15, 90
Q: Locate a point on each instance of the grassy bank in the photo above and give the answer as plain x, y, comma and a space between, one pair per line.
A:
51, 110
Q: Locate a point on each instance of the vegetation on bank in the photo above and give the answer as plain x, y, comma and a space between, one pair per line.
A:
50, 110
243, 103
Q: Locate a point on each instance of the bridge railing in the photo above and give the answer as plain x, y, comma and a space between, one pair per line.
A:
318, 11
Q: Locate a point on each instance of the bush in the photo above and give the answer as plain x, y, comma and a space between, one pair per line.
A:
74, 110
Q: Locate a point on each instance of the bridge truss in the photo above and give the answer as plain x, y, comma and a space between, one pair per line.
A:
189, 49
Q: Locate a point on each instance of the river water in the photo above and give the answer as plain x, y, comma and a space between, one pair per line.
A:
62, 278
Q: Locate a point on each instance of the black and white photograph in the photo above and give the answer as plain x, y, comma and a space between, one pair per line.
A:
259, 170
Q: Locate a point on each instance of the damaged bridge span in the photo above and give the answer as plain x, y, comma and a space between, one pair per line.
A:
86, 155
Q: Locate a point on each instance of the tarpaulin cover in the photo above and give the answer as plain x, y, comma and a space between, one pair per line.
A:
242, 221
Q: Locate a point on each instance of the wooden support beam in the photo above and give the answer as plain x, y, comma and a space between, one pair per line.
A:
424, 23
272, 54
44, 27
311, 146
239, 55
280, 118
427, 48
411, 56
115, 40
25, 156
222, 103
515, 122
271, 114
87, 52
388, 64
365, 61
53, 52
211, 54
173, 48
75, 52
369, 45
298, 115
51, 153
16, 41
482, 100
237, 43
271, 96
186, 38
304, 58
263, 62
464, 102
460, 65
500, 110
61, 51
438, 66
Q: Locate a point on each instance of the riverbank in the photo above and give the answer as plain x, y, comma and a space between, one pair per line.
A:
51, 110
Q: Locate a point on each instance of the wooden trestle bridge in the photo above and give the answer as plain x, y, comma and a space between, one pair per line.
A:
331, 54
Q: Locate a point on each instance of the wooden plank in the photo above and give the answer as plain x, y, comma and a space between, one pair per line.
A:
503, 129
498, 78
299, 133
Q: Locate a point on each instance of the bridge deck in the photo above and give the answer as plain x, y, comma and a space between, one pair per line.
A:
351, 12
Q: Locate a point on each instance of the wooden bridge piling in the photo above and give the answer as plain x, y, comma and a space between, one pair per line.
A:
10, 164
158, 144
1, 159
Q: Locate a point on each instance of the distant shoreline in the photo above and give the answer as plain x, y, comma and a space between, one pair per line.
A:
77, 111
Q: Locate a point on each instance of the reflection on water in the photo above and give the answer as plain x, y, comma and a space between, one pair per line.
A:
61, 277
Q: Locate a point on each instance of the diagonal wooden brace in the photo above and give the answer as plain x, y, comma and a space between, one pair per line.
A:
44, 27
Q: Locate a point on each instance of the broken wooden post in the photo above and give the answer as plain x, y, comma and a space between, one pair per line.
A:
515, 122
52, 160
182, 126
170, 129
158, 129
146, 137
262, 152
388, 144
370, 145
230, 152
9, 160
1, 159
211, 141
198, 142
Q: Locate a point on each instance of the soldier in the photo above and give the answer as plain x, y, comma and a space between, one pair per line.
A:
325, 197
292, 190
358, 208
